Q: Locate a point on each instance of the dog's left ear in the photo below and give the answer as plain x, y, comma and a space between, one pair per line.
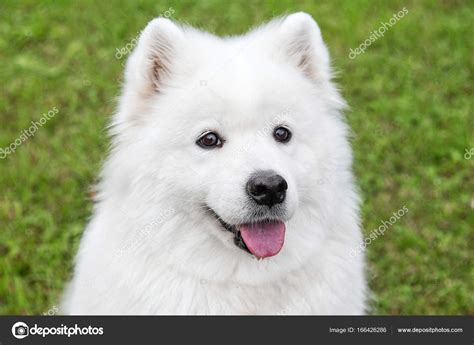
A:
300, 43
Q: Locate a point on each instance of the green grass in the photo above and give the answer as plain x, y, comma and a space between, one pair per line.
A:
411, 113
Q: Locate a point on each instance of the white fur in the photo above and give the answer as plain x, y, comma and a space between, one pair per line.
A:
151, 247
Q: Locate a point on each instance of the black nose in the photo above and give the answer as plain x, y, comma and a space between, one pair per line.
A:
267, 188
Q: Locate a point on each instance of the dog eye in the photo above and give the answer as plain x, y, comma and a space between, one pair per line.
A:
209, 140
282, 134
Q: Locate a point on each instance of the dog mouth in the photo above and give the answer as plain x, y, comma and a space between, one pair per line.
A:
262, 238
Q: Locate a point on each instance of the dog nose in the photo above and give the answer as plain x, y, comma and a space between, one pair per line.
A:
267, 188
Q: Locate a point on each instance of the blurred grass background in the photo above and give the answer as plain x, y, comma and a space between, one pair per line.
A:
411, 100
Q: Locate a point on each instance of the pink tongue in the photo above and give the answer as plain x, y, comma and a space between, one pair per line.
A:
263, 239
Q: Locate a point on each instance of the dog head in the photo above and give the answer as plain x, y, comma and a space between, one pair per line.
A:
242, 135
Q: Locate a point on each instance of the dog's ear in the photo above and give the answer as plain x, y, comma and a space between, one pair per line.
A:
151, 63
300, 42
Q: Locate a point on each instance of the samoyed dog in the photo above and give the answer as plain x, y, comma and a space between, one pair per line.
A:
228, 189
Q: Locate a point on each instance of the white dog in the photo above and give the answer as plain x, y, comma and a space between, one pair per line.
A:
229, 187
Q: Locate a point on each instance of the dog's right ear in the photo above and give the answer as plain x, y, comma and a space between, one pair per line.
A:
151, 63
296, 39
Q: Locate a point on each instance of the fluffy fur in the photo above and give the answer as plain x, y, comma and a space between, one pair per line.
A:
152, 247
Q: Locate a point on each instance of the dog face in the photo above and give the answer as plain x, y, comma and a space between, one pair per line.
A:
240, 134
243, 158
